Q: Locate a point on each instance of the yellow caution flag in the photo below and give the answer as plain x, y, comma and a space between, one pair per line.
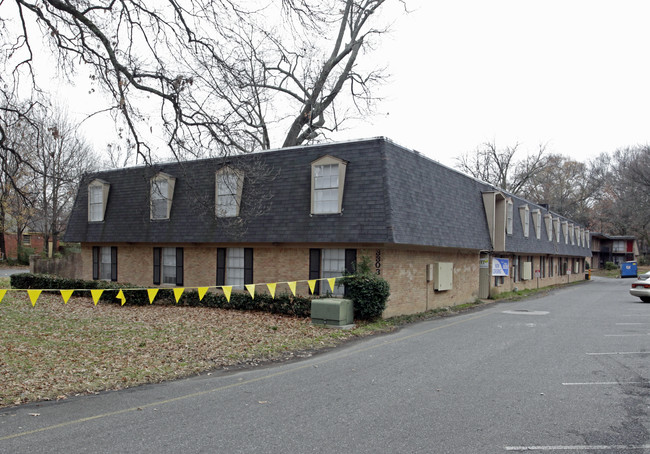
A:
177, 293
96, 295
120, 296
312, 285
251, 290
33, 295
331, 281
152, 292
66, 294
202, 292
292, 286
272, 289
2, 293
227, 289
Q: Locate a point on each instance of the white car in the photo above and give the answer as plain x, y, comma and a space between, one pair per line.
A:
641, 287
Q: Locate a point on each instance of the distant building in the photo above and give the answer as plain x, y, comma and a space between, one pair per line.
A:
613, 248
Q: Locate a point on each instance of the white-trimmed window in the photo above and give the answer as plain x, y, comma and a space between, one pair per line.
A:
333, 265
556, 229
105, 263
235, 267
509, 216
572, 234
162, 192
329, 263
169, 265
228, 191
97, 198
565, 231
327, 182
588, 238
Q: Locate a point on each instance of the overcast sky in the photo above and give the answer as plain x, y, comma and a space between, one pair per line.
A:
571, 74
574, 74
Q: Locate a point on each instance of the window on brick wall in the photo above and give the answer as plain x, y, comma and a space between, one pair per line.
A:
168, 265
235, 266
105, 263
328, 263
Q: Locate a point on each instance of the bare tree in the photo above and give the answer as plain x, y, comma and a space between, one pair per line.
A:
499, 166
569, 187
220, 75
53, 158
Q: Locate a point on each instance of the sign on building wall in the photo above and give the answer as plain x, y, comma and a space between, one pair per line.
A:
484, 262
500, 267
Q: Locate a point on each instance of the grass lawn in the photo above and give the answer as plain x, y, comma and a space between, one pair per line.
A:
53, 350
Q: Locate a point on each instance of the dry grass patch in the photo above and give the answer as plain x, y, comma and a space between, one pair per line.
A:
54, 350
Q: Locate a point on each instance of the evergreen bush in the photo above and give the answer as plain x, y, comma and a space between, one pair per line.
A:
368, 292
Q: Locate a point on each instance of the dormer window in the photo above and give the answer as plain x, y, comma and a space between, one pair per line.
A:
509, 216
162, 192
556, 229
565, 231
97, 198
327, 180
537, 223
548, 221
228, 190
524, 214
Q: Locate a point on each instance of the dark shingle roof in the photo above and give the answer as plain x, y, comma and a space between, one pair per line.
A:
391, 195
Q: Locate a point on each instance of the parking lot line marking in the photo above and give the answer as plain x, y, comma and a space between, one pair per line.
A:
618, 353
576, 448
604, 383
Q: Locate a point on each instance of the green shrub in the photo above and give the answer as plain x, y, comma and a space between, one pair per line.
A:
367, 291
610, 266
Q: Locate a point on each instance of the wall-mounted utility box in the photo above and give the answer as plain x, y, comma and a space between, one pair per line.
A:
443, 276
332, 311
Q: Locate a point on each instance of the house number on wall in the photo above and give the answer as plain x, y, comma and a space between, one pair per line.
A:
378, 261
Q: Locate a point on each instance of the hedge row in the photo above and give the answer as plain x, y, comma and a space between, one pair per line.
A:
285, 304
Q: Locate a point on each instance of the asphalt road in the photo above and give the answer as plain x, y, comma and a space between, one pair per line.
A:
567, 372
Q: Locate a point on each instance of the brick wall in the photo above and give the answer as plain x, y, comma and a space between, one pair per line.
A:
404, 269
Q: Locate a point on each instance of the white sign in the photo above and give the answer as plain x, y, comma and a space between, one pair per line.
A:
500, 267
484, 263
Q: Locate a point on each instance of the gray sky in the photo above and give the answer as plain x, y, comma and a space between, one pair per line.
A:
574, 74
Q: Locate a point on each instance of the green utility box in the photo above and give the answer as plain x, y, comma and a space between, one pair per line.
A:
332, 311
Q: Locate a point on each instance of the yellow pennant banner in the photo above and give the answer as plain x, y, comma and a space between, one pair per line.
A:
66, 294
152, 292
33, 296
227, 290
331, 282
292, 286
202, 292
120, 296
96, 295
177, 293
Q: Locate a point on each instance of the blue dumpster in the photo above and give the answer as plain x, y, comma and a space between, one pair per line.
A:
628, 269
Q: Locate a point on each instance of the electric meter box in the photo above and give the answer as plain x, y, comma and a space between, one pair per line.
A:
332, 311
443, 276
